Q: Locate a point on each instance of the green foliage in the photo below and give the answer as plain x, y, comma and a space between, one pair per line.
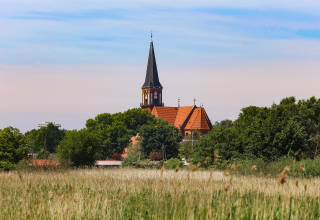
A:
35, 139
148, 164
11, 148
115, 130
40, 154
153, 136
82, 147
30, 138
173, 163
287, 129
310, 166
185, 149
225, 139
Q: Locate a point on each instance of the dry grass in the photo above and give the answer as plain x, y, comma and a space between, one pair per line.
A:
155, 194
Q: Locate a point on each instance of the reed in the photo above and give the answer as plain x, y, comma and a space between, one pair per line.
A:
155, 194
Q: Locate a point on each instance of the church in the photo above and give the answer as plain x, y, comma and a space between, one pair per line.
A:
185, 118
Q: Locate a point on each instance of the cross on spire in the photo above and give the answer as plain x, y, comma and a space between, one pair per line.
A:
178, 102
194, 101
151, 36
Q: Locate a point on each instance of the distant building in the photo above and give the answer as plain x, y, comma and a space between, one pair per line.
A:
185, 118
46, 124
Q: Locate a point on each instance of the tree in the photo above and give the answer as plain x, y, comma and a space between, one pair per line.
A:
54, 136
82, 147
11, 148
266, 133
186, 147
30, 137
35, 139
273, 134
133, 154
115, 130
153, 136
223, 138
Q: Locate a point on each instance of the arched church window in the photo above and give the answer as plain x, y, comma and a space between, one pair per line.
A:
145, 98
155, 95
151, 99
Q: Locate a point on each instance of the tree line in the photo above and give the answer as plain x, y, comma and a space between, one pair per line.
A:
104, 136
290, 128
287, 129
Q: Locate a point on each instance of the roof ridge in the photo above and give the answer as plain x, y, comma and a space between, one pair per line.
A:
176, 116
207, 118
196, 119
190, 114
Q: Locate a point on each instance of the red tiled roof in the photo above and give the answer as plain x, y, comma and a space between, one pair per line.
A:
199, 120
168, 113
45, 162
182, 114
187, 117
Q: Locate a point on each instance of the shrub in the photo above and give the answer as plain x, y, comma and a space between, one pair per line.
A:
309, 166
133, 154
154, 155
116, 156
173, 163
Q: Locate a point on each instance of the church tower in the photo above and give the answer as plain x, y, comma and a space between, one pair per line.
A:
152, 88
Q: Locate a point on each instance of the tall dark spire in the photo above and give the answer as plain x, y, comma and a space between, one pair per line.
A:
152, 78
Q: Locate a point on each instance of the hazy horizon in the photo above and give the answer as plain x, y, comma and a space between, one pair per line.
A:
69, 61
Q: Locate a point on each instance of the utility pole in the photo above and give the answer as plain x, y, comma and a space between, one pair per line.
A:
192, 140
69, 159
45, 145
164, 156
45, 125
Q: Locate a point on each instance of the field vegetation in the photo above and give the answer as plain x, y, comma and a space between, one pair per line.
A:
157, 194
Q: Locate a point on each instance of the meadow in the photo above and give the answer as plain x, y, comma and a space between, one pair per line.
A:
156, 194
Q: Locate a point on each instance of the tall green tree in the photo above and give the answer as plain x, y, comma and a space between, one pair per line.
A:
285, 129
225, 138
54, 136
115, 130
186, 147
35, 139
31, 137
12, 148
273, 134
82, 147
153, 136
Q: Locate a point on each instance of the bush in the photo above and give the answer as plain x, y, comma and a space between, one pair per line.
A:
116, 156
148, 164
154, 155
173, 163
133, 154
82, 147
310, 167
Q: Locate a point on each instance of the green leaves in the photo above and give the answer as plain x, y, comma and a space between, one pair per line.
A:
153, 136
115, 130
35, 139
11, 148
268, 133
81, 147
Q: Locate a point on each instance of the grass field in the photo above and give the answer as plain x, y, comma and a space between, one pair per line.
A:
155, 194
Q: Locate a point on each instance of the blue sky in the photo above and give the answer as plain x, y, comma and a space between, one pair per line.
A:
75, 55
